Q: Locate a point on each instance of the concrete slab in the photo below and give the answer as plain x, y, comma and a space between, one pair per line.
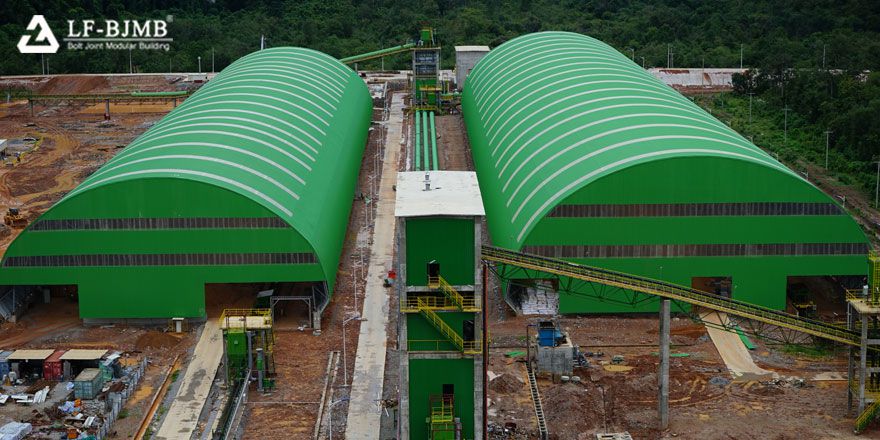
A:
731, 348
183, 415
366, 385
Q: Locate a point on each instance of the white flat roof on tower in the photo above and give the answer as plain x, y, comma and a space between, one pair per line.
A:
471, 48
452, 193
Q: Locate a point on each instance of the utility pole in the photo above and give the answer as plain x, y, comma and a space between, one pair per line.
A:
823, 56
200, 64
43, 64
751, 94
130, 68
169, 64
262, 42
668, 56
664, 364
633, 50
827, 133
643, 62
212, 60
703, 72
785, 127
877, 188
740, 55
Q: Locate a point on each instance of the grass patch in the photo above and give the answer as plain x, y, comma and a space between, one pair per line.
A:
175, 375
811, 351
123, 413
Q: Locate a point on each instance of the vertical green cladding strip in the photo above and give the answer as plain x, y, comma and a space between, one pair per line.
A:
255, 173
417, 150
565, 130
434, 159
426, 146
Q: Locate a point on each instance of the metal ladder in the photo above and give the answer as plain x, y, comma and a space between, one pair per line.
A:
536, 399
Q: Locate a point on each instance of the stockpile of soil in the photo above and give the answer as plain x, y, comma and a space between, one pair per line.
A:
156, 339
506, 383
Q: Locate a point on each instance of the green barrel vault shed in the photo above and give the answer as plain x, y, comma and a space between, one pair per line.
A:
581, 154
250, 180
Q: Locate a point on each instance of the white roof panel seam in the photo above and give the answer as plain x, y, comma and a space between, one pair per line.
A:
189, 172
209, 145
288, 102
671, 152
207, 159
570, 164
307, 77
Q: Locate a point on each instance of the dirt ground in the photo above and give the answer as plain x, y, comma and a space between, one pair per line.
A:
291, 411
74, 139
705, 401
452, 144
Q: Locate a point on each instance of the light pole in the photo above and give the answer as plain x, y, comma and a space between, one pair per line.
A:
643, 62
130, 68
633, 50
740, 56
877, 188
330, 422
785, 127
212, 60
344, 353
200, 64
827, 134
751, 94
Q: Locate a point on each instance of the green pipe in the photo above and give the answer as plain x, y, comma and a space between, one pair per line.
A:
377, 53
417, 149
425, 145
433, 142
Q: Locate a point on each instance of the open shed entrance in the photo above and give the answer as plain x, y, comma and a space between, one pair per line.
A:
294, 304
720, 285
821, 297
534, 296
48, 304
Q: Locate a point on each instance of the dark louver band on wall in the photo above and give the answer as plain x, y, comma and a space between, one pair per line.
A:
697, 250
696, 209
160, 260
102, 224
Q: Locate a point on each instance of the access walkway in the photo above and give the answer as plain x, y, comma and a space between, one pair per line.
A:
183, 416
366, 385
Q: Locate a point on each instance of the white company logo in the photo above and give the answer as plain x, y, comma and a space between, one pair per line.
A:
50, 43
100, 35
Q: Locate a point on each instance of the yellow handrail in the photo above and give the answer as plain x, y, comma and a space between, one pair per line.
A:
463, 304
866, 416
671, 291
467, 347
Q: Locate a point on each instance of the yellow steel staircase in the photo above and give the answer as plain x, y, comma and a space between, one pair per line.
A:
466, 347
463, 304
442, 418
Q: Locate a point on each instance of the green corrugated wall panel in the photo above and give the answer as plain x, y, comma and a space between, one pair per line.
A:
421, 334
758, 280
426, 378
448, 240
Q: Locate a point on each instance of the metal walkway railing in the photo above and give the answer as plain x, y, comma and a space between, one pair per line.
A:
867, 416
671, 291
462, 303
466, 347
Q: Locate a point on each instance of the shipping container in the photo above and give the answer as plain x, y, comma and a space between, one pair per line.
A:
88, 384
52, 366
4, 362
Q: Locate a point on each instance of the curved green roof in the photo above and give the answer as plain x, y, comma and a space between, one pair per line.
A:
285, 127
549, 113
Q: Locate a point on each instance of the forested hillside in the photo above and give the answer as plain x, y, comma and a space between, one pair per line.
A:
772, 33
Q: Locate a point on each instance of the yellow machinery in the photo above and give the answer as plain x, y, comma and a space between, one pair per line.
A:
14, 219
